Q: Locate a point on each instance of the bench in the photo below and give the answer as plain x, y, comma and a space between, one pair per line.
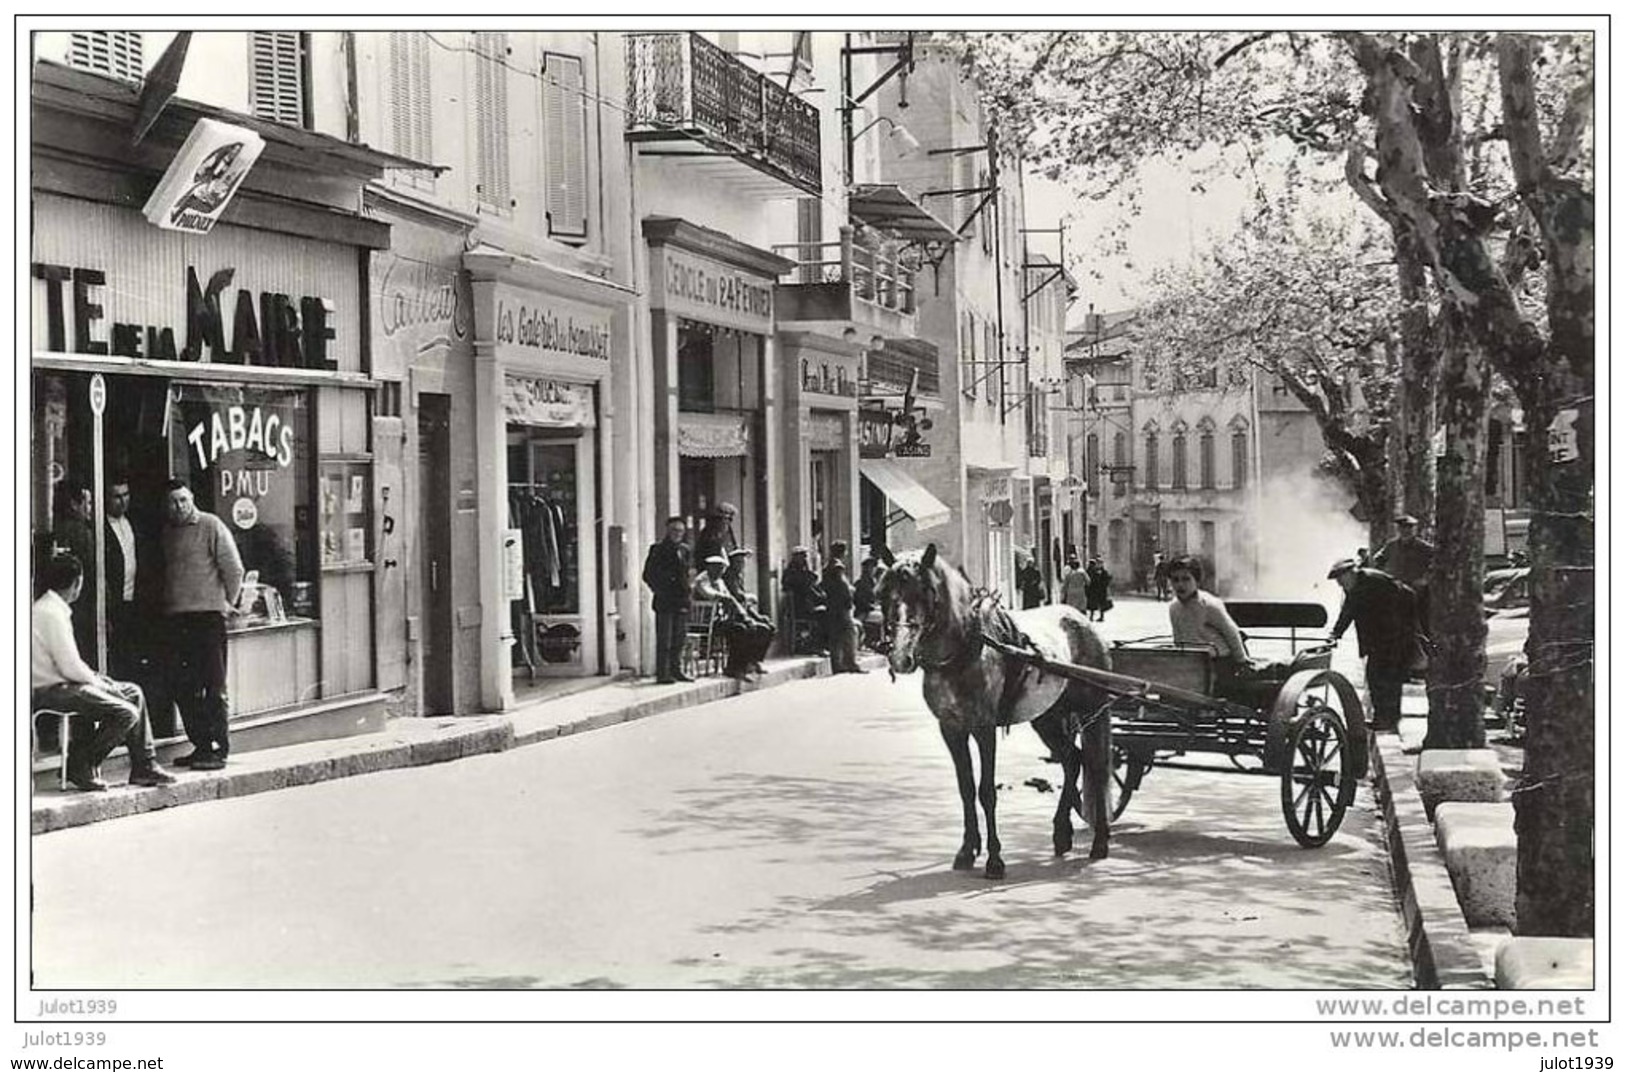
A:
1251, 614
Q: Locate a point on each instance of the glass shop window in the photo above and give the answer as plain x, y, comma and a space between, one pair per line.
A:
246, 453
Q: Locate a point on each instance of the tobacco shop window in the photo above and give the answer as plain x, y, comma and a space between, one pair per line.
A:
246, 453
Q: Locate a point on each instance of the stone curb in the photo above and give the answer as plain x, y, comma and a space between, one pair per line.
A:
1443, 954
366, 755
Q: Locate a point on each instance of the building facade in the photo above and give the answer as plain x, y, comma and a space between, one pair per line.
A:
234, 356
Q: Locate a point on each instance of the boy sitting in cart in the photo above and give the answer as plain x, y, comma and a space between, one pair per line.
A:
1199, 619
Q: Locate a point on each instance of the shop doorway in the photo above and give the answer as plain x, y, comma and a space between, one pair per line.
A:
434, 561
551, 502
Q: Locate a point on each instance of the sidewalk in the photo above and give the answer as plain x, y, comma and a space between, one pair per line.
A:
414, 742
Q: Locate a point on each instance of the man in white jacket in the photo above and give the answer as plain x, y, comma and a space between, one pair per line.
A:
61, 680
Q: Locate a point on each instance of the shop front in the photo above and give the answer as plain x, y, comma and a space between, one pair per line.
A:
233, 362
821, 441
423, 435
716, 392
548, 345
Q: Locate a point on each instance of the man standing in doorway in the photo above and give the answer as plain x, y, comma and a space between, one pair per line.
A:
665, 571
122, 555
202, 576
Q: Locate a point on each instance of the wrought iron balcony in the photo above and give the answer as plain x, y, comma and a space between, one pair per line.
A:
679, 85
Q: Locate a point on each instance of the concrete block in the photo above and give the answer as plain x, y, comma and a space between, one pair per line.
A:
1545, 964
1461, 774
1481, 853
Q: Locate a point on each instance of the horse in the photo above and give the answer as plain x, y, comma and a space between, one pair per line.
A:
939, 625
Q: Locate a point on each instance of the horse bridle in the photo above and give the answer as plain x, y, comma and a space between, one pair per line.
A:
928, 635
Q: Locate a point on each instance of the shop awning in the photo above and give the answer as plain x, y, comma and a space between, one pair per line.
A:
887, 207
906, 493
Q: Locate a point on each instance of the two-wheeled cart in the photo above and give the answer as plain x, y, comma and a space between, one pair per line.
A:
1297, 720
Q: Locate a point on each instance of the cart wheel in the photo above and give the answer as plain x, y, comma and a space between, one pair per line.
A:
1318, 786
1304, 693
1127, 770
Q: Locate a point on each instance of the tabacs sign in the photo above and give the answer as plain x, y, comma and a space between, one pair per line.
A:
203, 177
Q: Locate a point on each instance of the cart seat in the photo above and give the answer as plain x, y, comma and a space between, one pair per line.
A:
1189, 668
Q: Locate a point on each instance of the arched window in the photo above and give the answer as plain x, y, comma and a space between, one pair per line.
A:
1238, 452
1179, 456
1205, 462
1152, 476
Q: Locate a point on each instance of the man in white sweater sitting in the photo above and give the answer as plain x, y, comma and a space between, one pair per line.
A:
1199, 619
61, 680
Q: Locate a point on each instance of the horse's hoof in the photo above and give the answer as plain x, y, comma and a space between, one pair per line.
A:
1063, 844
995, 868
1098, 852
965, 860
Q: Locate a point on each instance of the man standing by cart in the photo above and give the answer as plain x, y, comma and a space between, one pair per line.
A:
1383, 612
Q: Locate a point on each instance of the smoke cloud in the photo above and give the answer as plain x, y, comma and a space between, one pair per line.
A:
1305, 526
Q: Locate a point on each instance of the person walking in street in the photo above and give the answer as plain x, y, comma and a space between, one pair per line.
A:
1159, 576
1029, 581
1407, 558
203, 576
60, 680
1383, 613
666, 572
1098, 593
839, 625
1075, 588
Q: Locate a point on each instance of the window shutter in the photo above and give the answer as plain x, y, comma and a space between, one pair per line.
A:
491, 120
276, 66
564, 131
112, 52
411, 98
810, 232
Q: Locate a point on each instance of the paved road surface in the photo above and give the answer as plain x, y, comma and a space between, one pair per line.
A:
797, 838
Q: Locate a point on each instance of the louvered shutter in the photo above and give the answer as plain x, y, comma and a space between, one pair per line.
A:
411, 102
277, 87
564, 133
491, 120
113, 52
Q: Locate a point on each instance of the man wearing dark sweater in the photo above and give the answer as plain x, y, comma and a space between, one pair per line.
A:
202, 576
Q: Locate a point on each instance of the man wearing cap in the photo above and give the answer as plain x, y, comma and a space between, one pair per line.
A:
717, 535
1383, 612
732, 617
665, 571
805, 595
1407, 558
760, 635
